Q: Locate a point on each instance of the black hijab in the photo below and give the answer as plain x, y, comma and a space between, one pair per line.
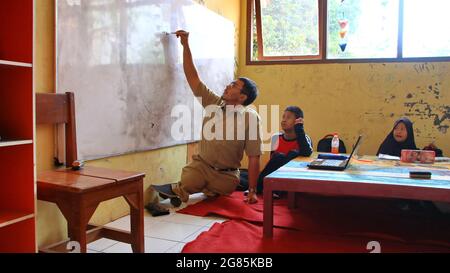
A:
391, 147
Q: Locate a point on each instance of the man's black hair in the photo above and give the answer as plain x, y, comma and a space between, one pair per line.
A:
250, 89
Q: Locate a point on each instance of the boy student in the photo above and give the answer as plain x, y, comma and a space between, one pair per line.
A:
215, 170
289, 144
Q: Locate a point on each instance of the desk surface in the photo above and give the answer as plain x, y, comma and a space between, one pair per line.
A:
116, 175
87, 179
368, 177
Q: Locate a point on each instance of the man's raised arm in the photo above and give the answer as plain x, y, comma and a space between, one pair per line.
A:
188, 63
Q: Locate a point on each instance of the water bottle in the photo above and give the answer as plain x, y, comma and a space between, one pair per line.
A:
335, 144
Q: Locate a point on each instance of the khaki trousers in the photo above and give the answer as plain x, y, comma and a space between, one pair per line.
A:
200, 177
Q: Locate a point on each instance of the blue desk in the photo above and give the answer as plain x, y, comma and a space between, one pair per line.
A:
369, 178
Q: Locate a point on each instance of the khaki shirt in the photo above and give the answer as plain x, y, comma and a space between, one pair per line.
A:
243, 129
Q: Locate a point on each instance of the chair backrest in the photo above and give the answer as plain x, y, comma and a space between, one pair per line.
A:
55, 109
324, 145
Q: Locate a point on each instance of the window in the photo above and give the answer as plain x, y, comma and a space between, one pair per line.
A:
348, 30
426, 26
289, 28
362, 29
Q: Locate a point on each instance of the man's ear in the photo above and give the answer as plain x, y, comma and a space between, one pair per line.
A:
242, 98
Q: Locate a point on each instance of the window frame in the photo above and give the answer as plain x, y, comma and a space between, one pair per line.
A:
254, 7
260, 40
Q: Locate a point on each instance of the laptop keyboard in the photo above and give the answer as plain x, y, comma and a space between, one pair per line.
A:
331, 162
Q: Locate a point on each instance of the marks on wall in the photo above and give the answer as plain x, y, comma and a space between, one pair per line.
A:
424, 68
418, 93
390, 98
425, 104
435, 90
438, 114
374, 116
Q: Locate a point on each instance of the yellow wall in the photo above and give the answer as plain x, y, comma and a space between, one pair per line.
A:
348, 98
358, 98
160, 166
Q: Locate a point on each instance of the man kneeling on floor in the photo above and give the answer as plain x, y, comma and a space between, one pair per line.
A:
215, 170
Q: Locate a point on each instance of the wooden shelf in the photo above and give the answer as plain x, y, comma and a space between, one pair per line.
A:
10, 63
8, 218
17, 129
10, 143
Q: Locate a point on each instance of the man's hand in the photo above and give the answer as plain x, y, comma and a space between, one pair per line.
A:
184, 37
253, 173
251, 198
299, 121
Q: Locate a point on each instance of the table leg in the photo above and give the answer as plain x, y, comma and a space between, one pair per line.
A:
77, 222
136, 202
268, 210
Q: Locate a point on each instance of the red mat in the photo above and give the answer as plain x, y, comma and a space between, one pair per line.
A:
343, 216
244, 237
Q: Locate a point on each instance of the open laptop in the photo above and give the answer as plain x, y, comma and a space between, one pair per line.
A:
335, 164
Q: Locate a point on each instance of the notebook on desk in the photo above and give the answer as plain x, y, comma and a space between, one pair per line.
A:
335, 164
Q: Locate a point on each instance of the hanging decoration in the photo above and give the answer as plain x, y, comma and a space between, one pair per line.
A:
344, 26
343, 30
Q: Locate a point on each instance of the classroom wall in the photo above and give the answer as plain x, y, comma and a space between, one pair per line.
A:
161, 166
348, 98
358, 98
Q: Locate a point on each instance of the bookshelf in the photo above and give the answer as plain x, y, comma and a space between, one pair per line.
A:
17, 168
14, 143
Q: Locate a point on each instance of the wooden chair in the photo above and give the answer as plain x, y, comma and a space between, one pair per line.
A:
78, 193
59, 109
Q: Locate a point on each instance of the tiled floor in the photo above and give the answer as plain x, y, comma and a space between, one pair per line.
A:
163, 234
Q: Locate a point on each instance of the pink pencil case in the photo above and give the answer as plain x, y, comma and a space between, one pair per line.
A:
418, 156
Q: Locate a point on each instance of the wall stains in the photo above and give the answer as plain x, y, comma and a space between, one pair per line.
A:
374, 116
435, 89
438, 121
421, 103
362, 97
424, 67
387, 100
424, 110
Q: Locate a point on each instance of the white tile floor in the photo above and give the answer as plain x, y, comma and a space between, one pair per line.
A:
163, 234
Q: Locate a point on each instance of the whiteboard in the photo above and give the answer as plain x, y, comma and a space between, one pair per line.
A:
127, 75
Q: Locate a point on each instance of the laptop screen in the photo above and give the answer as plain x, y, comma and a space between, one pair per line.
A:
355, 150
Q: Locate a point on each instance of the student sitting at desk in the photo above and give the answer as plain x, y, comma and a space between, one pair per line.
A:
401, 137
293, 142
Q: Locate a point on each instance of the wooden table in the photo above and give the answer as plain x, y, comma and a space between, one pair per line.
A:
78, 194
364, 178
